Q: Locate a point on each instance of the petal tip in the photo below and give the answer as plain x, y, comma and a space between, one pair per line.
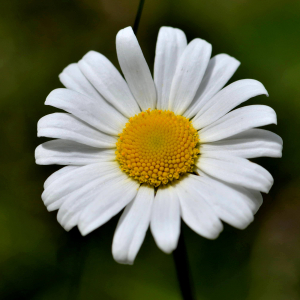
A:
125, 33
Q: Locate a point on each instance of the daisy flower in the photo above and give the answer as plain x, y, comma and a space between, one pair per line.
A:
163, 149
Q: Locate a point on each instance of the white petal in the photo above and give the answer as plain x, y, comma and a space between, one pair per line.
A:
196, 212
97, 113
219, 70
170, 44
253, 198
256, 200
73, 79
132, 226
66, 126
236, 170
188, 75
248, 144
71, 181
237, 121
229, 203
109, 82
165, 219
135, 69
65, 152
56, 175
228, 98
74, 203
54, 206
113, 198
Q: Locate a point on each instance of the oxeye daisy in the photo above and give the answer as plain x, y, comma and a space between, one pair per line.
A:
163, 149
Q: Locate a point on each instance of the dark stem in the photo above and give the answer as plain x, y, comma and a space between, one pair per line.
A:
138, 17
75, 253
182, 270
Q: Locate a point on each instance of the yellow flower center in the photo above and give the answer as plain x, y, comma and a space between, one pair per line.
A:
157, 147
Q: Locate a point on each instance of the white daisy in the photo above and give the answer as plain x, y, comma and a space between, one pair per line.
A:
164, 149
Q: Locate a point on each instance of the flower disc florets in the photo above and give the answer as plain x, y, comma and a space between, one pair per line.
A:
157, 147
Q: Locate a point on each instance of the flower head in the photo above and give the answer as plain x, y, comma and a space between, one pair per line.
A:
164, 149
156, 147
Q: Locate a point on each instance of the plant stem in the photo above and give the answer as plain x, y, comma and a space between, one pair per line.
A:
182, 270
75, 253
179, 254
138, 16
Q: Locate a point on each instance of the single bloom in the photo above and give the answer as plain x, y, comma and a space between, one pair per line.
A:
163, 149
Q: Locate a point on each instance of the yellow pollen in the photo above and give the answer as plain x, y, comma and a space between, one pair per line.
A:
157, 147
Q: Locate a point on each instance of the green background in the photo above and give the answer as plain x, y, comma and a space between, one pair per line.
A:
38, 259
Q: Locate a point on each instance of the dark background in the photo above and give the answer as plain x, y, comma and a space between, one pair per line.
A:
38, 259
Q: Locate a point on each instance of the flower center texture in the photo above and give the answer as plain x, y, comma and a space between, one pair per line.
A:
157, 147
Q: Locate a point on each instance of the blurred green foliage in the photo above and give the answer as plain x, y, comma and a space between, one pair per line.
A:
38, 259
